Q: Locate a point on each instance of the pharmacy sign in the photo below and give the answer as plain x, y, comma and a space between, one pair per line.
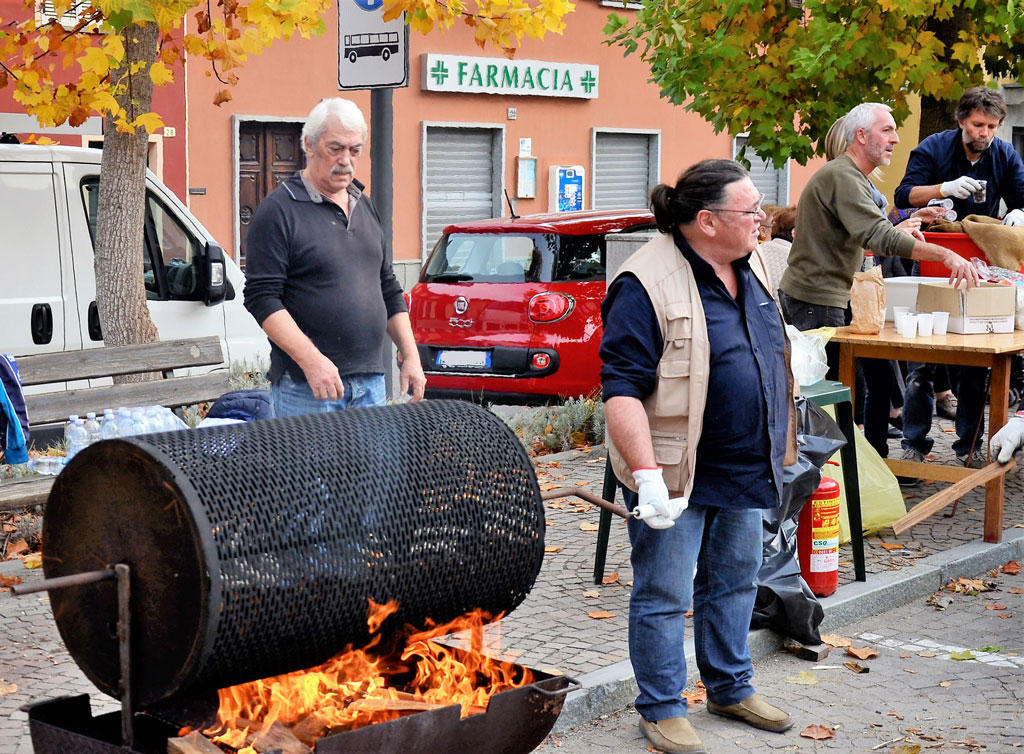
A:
471, 75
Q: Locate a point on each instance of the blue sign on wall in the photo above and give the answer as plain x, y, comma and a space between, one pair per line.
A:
369, 4
570, 189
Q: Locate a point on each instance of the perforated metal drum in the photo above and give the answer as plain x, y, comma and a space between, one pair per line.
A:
255, 547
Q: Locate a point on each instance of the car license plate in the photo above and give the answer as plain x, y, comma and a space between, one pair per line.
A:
463, 359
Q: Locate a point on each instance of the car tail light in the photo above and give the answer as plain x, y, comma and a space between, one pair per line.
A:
541, 361
550, 307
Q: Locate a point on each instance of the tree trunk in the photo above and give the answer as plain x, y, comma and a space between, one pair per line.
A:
938, 115
120, 289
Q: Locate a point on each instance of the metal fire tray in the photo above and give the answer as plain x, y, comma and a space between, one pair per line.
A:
516, 721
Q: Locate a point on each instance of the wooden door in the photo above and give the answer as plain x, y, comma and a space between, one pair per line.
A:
268, 153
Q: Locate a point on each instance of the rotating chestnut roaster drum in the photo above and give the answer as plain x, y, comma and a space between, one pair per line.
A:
253, 549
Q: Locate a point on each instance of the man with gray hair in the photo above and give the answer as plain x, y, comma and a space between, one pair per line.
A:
319, 282
836, 219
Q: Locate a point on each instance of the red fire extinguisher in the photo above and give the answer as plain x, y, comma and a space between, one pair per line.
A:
817, 539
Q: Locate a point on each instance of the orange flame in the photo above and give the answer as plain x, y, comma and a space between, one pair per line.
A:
360, 687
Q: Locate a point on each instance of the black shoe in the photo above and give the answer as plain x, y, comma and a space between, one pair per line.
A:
893, 433
897, 422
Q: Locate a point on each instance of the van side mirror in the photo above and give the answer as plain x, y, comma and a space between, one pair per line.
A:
213, 274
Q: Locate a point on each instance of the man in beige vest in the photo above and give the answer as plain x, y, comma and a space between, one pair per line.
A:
698, 404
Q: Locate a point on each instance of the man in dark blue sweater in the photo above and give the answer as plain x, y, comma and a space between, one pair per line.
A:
318, 280
956, 164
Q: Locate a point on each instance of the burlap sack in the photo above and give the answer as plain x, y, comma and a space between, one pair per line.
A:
867, 300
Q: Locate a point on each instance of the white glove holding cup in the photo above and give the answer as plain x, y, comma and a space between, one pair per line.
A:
960, 188
1007, 440
654, 507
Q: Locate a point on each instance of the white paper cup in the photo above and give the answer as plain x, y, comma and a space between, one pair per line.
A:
940, 323
908, 326
898, 318
924, 324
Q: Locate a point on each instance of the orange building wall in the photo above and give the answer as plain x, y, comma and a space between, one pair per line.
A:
291, 77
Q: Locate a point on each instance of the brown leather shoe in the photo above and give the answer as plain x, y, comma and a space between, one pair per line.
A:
674, 735
755, 711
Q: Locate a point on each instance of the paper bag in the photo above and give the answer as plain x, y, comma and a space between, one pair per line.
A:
867, 300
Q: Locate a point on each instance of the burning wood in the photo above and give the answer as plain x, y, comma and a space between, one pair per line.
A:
363, 686
193, 743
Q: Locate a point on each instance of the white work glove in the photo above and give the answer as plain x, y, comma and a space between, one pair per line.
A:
1014, 217
1008, 440
654, 507
961, 187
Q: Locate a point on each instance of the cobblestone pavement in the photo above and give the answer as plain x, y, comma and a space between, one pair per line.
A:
915, 692
550, 630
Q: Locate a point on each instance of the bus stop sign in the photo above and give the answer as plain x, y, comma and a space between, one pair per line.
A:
372, 53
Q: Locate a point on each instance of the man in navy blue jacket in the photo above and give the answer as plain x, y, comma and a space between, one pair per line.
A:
955, 164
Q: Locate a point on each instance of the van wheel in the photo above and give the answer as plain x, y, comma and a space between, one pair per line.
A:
385, 54
352, 56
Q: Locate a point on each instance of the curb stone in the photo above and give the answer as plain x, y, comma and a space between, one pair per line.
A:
613, 688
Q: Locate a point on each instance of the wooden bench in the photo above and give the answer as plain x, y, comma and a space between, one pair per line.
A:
111, 361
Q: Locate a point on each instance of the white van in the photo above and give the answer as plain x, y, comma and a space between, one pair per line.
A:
48, 201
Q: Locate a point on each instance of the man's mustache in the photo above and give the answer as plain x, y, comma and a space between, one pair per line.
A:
341, 170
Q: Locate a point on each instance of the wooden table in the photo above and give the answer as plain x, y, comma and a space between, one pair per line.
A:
983, 350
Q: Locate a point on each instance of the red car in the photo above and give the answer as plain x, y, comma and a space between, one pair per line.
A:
509, 310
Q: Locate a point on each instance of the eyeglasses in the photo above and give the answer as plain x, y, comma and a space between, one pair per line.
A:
756, 211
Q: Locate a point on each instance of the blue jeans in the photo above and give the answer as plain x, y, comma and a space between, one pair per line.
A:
919, 404
725, 546
292, 398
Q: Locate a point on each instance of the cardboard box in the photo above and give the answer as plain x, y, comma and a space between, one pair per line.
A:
902, 291
987, 308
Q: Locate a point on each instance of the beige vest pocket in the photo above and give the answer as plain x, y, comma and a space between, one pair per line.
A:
670, 453
673, 394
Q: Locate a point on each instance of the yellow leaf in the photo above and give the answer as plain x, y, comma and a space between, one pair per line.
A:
34, 560
552, 548
593, 594
161, 74
150, 121
222, 96
95, 60
804, 678
600, 614
587, 526
8, 689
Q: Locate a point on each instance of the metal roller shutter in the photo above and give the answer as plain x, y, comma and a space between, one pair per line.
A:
622, 170
769, 181
462, 179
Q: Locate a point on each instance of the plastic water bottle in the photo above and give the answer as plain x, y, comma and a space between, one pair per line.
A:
67, 429
92, 427
79, 438
139, 425
108, 427
869, 262
124, 422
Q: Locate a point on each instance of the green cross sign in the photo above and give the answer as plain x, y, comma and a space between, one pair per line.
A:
588, 81
439, 72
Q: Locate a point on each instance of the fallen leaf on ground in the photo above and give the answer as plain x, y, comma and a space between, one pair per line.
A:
16, 548
592, 594
903, 657
861, 653
549, 523
580, 484
587, 526
817, 732
804, 678
551, 486
970, 586
1016, 590
930, 457
894, 713
945, 684
995, 607
905, 749
8, 689
1012, 568
856, 667
926, 737
835, 640
611, 578
698, 696
1004, 616
554, 464
927, 654
965, 655
35, 560
600, 614
940, 601
892, 546
552, 548
9, 581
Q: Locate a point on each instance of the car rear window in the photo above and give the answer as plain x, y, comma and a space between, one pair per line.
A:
515, 258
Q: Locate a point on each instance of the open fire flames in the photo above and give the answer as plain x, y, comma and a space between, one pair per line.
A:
365, 686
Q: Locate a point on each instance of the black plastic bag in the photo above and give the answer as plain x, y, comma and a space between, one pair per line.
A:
784, 601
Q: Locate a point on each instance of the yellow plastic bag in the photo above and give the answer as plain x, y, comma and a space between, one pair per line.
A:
881, 502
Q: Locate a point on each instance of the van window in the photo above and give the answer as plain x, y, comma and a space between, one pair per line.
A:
169, 249
515, 258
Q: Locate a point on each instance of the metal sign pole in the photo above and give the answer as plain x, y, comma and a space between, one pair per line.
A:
383, 192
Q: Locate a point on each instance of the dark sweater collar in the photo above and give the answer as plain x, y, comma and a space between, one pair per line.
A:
300, 190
